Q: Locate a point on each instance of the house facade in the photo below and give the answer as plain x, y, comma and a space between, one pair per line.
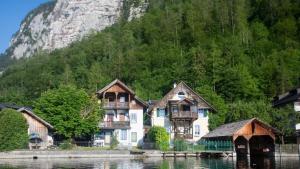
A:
123, 117
183, 112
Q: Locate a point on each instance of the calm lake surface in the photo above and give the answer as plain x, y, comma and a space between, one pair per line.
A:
155, 163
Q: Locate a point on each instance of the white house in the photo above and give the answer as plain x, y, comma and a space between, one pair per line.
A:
183, 112
123, 116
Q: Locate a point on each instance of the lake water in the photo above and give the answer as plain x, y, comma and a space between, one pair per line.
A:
153, 163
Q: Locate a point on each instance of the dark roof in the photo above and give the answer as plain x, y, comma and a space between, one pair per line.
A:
228, 130
145, 104
286, 98
117, 81
171, 91
30, 113
9, 106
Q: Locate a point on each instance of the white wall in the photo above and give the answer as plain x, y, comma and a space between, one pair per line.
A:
203, 122
165, 122
137, 127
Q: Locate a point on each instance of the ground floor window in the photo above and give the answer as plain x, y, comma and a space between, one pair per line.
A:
134, 137
123, 134
197, 130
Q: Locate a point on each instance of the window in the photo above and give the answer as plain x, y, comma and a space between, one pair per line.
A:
181, 95
161, 112
197, 130
122, 99
186, 107
133, 118
123, 134
174, 109
134, 137
202, 113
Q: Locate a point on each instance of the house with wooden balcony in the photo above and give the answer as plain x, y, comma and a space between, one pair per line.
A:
123, 116
183, 112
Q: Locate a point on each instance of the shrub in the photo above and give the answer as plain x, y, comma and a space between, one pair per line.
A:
13, 130
114, 142
160, 137
66, 145
180, 145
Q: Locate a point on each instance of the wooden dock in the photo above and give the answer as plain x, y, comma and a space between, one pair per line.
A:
203, 154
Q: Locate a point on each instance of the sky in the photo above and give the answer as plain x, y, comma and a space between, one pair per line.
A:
12, 12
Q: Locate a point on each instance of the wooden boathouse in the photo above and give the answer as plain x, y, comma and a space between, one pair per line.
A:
251, 136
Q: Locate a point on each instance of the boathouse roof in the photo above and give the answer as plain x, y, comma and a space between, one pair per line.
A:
231, 129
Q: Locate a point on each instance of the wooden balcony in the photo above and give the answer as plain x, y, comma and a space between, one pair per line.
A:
114, 125
115, 105
184, 115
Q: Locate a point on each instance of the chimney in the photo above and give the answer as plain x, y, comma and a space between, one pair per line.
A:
174, 85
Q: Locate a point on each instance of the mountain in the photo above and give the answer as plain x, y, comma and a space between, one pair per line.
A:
57, 24
237, 54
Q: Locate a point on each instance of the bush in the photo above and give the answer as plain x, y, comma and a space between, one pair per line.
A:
180, 145
66, 145
13, 130
114, 142
160, 137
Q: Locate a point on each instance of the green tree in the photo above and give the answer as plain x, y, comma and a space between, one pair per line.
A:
70, 110
242, 110
13, 130
160, 137
216, 118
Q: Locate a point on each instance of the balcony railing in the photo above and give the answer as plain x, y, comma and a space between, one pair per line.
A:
184, 136
184, 114
114, 125
115, 105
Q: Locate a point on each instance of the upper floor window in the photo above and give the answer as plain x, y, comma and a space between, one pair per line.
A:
181, 95
122, 99
174, 108
161, 112
186, 108
202, 113
133, 118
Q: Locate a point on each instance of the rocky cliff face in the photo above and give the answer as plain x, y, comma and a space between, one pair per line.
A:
58, 23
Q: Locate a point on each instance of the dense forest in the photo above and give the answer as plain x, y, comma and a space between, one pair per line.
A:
238, 54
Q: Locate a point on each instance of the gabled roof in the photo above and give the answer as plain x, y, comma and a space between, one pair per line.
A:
25, 110
30, 113
228, 130
141, 101
117, 81
175, 88
185, 100
286, 98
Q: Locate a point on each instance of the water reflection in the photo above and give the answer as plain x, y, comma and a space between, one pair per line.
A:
154, 163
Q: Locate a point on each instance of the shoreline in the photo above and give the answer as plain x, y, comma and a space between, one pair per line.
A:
52, 154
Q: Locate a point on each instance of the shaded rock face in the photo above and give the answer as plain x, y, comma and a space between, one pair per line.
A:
58, 23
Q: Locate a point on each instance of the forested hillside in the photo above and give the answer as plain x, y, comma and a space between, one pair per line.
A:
237, 53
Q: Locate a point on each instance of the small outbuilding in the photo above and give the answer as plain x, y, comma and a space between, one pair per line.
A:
38, 129
250, 136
